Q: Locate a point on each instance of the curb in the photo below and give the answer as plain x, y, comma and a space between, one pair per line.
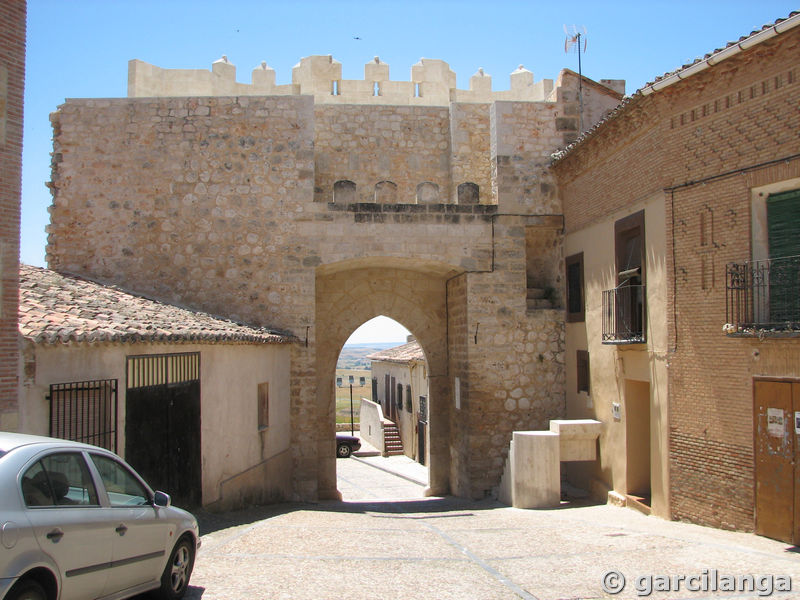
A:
385, 470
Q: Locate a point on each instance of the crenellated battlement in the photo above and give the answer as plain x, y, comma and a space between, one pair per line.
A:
433, 83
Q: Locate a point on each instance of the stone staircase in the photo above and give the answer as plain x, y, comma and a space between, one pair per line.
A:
392, 443
537, 299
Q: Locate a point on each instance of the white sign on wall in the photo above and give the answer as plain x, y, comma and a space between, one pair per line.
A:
775, 423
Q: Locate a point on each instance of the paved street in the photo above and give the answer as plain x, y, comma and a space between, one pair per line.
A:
386, 541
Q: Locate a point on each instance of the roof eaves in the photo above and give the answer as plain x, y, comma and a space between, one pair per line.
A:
700, 64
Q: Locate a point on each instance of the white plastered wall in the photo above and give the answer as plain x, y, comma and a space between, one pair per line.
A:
231, 441
611, 366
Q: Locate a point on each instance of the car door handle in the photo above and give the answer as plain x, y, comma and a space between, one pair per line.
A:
55, 535
121, 529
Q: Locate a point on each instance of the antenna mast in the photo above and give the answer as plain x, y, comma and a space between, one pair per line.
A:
574, 40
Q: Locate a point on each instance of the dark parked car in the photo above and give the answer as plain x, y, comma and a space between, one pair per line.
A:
346, 445
76, 522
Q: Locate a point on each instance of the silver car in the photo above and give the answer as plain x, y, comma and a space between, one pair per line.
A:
77, 523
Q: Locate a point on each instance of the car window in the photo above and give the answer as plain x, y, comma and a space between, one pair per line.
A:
122, 487
59, 480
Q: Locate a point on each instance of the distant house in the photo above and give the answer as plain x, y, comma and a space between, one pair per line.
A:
400, 386
198, 404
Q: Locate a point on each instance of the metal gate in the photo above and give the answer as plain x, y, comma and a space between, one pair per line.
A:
85, 411
162, 423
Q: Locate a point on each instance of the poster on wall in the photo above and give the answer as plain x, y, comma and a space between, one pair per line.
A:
797, 422
775, 425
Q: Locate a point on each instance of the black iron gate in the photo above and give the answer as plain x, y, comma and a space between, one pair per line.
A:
85, 411
162, 423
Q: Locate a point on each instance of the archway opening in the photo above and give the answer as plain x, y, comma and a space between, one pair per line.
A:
381, 391
350, 293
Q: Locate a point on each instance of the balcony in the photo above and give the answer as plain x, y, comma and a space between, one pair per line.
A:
763, 297
623, 314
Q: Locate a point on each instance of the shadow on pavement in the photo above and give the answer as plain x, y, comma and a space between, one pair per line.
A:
210, 522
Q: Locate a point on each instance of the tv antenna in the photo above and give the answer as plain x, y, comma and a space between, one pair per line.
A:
573, 44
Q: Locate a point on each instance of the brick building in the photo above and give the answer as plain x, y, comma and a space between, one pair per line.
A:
12, 83
680, 210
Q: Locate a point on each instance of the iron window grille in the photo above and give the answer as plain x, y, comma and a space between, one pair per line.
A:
85, 411
763, 295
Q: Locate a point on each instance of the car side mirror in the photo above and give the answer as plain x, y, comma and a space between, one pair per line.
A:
162, 499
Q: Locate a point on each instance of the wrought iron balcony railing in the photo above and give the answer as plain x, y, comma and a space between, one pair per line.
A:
623, 315
763, 295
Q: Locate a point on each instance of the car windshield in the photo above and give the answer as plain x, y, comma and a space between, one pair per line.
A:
2, 452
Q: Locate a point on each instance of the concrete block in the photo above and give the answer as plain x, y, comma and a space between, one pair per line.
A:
536, 479
577, 438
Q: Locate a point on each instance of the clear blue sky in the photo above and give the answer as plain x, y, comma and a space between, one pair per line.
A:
81, 48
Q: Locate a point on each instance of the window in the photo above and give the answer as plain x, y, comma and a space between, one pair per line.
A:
427, 193
385, 192
85, 411
263, 406
59, 480
629, 249
468, 193
344, 192
783, 230
575, 303
624, 305
123, 488
583, 370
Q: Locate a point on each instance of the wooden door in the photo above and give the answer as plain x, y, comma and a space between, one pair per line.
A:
776, 410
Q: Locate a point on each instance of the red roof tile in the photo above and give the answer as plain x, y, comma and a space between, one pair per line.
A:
56, 308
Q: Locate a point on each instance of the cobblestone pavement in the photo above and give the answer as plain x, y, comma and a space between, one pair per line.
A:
385, 541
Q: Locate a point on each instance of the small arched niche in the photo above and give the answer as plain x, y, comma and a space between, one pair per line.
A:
386, 192
344, 192
427, 193
468, 193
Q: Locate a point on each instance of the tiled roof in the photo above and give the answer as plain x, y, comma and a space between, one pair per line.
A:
56, 308
688, 70
400, 354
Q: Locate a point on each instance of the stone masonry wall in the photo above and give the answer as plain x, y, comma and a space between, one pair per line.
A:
370, 144
515, 358
523, 135
224, 204
12, 83
711, 138
470, 146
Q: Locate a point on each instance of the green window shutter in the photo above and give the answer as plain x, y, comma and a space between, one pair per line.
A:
783, 224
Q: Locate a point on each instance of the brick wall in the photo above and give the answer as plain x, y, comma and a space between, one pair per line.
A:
712, 137
12, 79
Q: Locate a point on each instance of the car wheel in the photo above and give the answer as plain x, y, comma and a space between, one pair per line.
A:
343, 450
175, 579
27, 590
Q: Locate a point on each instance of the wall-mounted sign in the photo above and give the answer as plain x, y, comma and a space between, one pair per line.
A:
797, 422
775, 424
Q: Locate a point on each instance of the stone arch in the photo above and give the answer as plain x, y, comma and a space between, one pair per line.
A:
412, 294
469, 193
344, 191
386, 192
427, 193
